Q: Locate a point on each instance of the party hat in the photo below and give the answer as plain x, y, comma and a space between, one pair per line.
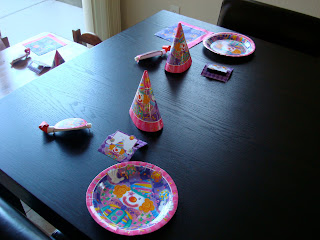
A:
57, 60
179, 59
144, 110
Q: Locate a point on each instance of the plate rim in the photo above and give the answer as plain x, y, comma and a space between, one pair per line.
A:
117, 230
233, 33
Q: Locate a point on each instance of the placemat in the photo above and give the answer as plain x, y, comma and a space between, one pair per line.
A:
44, 44
192, 34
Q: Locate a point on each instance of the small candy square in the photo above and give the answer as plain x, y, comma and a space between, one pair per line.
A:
217, 72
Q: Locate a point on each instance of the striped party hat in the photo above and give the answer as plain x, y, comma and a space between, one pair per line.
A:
179, 59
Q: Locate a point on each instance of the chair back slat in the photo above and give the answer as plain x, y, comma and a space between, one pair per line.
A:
85, 38
274, 24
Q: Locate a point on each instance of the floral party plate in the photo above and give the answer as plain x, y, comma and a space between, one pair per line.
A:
229, 44
132, 198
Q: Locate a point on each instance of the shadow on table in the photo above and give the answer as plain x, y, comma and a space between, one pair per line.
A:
152, 135
152, 64
151, 138
22, 64
175, 81
72, 142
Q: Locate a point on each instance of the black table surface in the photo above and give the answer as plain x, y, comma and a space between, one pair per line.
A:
243, 154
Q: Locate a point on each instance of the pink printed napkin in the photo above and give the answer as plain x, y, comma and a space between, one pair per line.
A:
121, 146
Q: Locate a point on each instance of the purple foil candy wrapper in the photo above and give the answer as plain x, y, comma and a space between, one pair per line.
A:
120, 146
217, 72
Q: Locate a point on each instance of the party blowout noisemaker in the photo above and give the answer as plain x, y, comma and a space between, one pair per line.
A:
164, 50
68, 124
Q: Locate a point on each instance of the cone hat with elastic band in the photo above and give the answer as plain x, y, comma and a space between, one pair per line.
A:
144, 110
179, 59
57, 60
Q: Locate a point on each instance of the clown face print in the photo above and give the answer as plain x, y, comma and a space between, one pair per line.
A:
132, 200
129, 203
228, 46
119, 146
139, 97
116, 150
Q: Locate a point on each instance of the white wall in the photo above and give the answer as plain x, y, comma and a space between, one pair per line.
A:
134, 11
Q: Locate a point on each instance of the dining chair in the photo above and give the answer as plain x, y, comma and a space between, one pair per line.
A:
14, 225
85, 38
274, 24
4, 42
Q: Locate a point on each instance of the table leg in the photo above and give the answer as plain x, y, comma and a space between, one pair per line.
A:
11, 198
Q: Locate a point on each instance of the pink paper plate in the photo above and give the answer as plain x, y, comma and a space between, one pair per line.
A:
132, 198
229, 44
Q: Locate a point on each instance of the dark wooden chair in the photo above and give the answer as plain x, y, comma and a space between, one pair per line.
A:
14, 225
85, 38
285, 27
4, 42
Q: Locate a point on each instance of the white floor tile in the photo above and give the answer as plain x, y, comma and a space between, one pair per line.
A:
47, 16
9, 7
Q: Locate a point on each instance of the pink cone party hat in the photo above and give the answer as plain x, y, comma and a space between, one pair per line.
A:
57, 60
179, 59
144, 110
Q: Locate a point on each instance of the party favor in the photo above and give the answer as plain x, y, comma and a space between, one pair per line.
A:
179, 59
68, 124
57, 60
38, 67
121, 146
217, 72
144, 110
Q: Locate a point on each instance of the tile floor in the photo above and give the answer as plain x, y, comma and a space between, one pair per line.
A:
22, 19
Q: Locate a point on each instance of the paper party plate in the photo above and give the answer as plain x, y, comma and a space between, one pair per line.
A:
229, 44
132, 198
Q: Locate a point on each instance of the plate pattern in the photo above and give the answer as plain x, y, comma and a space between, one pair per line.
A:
229, 44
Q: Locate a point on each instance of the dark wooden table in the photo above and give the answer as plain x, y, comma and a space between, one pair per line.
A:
243, 154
